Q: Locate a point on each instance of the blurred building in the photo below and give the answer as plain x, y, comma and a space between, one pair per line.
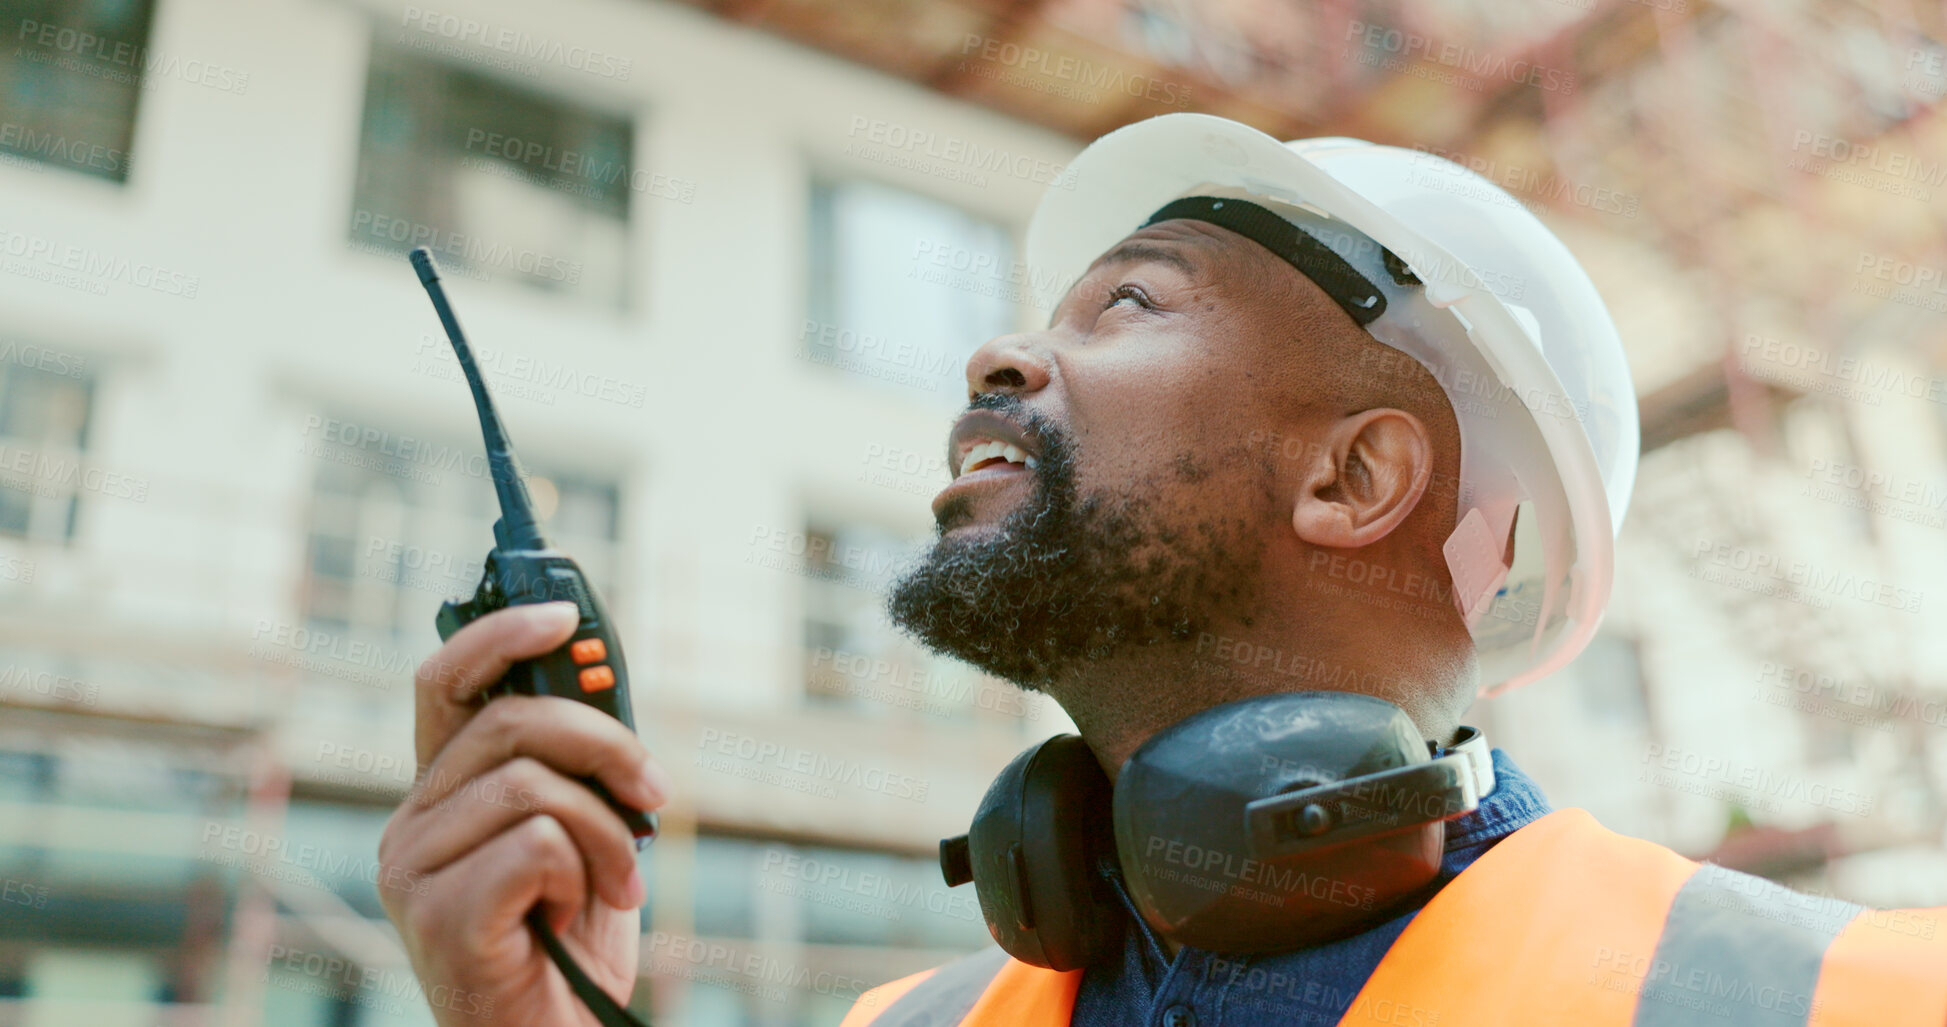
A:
723, 278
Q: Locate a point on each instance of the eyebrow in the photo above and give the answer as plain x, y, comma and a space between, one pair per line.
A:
1136, 250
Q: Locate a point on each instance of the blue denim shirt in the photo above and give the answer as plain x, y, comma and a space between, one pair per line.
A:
1313, 986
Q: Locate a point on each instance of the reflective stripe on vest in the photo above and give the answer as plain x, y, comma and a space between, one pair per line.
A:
986, 989
1564, 922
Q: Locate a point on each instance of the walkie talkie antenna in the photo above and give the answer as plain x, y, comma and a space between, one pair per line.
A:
516, 528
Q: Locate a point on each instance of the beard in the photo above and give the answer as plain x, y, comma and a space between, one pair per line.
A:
1067, 579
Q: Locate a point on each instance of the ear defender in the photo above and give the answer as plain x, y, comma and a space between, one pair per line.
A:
1035, 854
1261, 825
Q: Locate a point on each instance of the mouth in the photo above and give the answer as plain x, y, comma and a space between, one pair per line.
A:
983, 439
985, 451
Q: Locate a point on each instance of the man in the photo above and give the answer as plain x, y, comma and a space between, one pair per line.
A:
1256, 423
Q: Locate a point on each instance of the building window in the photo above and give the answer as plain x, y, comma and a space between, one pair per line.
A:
401, 524
504, 184
72, 76
904, 288
43, 443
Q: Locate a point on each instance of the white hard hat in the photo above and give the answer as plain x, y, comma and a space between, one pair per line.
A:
1487, 299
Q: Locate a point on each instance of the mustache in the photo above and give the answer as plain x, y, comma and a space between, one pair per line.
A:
1045, 429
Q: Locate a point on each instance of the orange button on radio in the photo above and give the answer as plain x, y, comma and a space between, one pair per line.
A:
594, 679
588, 650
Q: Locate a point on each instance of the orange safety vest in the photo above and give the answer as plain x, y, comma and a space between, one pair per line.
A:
1563, 922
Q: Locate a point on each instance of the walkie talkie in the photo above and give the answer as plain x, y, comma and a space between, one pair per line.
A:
522, 568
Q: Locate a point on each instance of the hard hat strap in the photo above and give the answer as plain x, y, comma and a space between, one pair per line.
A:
1315, 259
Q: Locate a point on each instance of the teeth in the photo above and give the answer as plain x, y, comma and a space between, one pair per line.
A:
991, 449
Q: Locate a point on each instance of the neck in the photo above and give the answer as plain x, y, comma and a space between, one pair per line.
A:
1119, 702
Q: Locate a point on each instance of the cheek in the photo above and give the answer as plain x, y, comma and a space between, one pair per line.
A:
1172, 451
1159, 390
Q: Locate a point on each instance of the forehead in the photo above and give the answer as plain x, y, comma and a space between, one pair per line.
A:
1191, 246
1203, 252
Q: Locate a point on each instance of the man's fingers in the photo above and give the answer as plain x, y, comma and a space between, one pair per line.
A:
571, 737
479, 900
516, 791
474, 658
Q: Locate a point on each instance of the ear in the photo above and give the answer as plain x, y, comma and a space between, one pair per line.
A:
1363, 481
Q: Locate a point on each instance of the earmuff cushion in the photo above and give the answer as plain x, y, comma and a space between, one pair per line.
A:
1042, 831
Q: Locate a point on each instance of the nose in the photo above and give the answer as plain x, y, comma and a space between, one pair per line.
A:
1007, 363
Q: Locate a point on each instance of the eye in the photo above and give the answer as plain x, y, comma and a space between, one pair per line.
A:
1129, 291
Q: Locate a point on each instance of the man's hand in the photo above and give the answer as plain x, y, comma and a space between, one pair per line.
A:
496, 822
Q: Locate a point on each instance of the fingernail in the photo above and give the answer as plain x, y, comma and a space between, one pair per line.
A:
656, 779
559, 611
637, 891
